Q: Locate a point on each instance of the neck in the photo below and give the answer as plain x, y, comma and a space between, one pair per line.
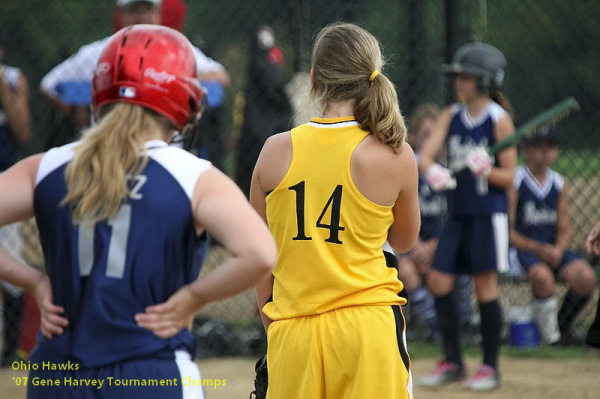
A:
339, 109
477, 104
538, 173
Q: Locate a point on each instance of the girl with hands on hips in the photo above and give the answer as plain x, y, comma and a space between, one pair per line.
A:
121, 216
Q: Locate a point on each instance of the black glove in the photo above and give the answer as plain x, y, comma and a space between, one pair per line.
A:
261, 381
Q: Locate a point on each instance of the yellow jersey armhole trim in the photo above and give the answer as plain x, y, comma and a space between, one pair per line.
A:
289, 171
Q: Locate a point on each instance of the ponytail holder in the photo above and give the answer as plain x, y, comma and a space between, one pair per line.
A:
373, 76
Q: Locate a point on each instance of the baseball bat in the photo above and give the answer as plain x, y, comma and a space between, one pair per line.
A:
548, 117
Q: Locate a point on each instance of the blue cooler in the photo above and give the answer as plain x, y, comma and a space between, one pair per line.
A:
523, 330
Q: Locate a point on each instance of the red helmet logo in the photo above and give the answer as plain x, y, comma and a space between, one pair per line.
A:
152, 66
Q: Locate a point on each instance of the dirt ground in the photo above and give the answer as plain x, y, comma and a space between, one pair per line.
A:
524, 378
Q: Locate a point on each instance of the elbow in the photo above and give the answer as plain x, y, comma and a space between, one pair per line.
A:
405, 242
264, 257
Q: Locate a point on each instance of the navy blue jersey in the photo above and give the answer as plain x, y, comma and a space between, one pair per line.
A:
433, 210
537, 205
104, 274
473, 196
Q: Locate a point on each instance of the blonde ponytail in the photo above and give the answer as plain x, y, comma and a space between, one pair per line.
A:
378, 112
347, 64
97, 175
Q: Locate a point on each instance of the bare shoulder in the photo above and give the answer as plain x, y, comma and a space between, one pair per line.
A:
277, 143
407, 157
383, 156
23, 172
504, 126
379, 172
276, 149
274, 160
30, 165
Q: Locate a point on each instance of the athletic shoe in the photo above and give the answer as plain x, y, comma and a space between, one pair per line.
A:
444, 373
486, 379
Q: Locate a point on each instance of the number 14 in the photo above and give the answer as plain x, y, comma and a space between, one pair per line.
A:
335, 202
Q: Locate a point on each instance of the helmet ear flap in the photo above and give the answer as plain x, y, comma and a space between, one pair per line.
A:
499, 78
482, 60
485, 84
189, 134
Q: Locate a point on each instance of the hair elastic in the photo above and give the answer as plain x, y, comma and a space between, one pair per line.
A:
373, 76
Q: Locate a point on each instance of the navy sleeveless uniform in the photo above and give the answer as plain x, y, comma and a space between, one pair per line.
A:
536, 215
433, 210
106, 273
474, 239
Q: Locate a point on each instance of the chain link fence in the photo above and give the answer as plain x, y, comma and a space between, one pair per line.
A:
551, 48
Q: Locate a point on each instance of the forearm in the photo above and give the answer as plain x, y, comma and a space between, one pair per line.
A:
235, 275
501, 177
17, 273
523, 243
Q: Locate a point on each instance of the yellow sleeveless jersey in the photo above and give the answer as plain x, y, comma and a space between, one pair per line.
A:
328, 234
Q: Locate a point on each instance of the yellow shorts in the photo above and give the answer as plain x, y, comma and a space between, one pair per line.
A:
356, 352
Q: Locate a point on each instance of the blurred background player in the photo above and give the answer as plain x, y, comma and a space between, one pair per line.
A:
68, 85
474, 239
592, 245
326, 190
120, 214
267, 108
15, 131
540, 230
415, 265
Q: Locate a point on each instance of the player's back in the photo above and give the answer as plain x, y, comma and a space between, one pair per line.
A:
329, 235
104, 274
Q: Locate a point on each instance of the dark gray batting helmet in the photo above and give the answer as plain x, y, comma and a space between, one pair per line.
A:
479, 59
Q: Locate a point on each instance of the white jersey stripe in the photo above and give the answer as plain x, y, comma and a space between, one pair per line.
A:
333, 125
190, 376
53, 159
500, 226
186, 168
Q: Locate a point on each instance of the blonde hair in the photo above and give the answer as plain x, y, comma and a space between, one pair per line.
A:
97, 175
344, 58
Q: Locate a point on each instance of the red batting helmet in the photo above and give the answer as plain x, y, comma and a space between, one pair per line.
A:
152, 66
